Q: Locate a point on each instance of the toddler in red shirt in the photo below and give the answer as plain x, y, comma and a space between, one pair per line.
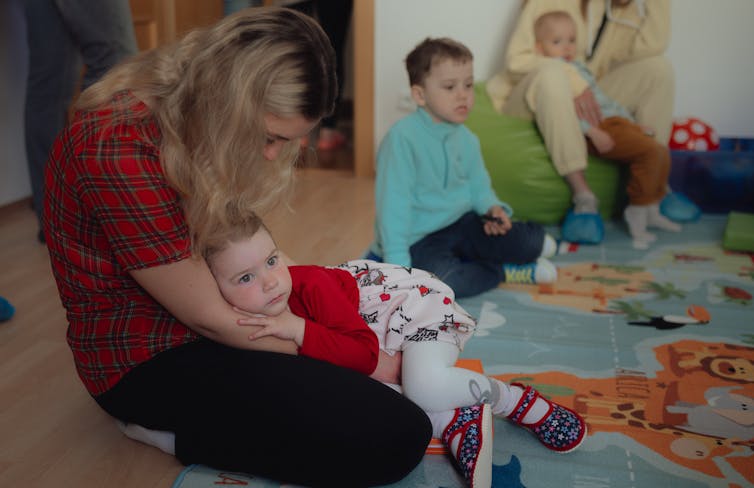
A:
343, 314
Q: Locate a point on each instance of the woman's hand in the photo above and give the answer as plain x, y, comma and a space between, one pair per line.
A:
187, 290
388, 368
496, 221
283, 326
587, 108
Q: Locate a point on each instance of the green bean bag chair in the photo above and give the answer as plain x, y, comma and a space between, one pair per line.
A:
522, 173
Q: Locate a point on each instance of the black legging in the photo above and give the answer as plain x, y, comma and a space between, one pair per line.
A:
288, 418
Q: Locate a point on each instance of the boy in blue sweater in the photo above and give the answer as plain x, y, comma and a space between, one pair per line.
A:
435, 206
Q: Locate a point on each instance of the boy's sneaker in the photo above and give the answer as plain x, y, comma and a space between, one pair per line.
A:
473, 454
541, 271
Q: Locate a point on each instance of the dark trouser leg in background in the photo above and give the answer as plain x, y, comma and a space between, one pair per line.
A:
469, 260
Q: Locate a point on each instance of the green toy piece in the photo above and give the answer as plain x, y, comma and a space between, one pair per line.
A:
739, 232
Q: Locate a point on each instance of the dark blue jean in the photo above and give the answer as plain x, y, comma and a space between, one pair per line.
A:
63, 36
469, 260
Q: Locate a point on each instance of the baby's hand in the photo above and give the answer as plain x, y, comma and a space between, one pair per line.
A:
496, 221
601, 140
284, 326
647, 130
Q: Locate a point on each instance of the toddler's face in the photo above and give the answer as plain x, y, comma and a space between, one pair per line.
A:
447, 92
252, 275
558, 39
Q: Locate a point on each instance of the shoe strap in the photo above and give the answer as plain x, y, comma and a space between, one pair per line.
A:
527, 401
451, 428
455, 428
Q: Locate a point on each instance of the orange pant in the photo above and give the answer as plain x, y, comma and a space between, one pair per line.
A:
647, 159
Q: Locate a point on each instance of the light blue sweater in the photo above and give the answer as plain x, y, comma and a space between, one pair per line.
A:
428, 175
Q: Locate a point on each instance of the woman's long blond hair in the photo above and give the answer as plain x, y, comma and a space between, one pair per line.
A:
209, 93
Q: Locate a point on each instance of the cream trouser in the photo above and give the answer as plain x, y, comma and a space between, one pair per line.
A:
644, 87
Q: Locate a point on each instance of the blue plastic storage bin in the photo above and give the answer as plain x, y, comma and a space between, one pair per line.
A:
717, 181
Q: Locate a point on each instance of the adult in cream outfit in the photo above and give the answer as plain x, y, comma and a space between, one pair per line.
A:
622, 42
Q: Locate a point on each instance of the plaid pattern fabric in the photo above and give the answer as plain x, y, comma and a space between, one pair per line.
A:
108, 210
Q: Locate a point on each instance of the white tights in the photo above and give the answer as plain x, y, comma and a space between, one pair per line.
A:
432, 381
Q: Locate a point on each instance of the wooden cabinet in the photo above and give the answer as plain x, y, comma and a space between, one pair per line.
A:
157, 22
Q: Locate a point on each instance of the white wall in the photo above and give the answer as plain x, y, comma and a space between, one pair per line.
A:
710, 50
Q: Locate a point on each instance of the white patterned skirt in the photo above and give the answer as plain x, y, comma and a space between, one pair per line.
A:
404, 305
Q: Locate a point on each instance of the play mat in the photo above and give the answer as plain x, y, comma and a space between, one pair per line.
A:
654, 348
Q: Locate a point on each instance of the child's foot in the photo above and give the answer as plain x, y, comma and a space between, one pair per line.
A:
560, 429
541, 271
657, 220
161, 439
549, 247
642, 244
678, 208
636, 217
585, 202
469, 438
583, 223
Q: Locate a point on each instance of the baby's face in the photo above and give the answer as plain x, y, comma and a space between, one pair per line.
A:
252, 275
447, 92
558, 39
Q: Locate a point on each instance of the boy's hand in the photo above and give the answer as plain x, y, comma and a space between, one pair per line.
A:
496, 221
283, 326
601, 140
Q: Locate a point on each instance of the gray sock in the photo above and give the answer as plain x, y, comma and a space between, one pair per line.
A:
585, 202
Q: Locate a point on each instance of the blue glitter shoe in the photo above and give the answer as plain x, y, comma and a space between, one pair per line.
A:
474, 453
582, 228
678, 208
560, 429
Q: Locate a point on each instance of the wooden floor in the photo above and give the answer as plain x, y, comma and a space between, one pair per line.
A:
52, 434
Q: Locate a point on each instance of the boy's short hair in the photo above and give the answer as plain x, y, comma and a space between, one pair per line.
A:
542, 20
420, 60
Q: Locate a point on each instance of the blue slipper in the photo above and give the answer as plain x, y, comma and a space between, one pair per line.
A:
583, 228
6, 310
678, 208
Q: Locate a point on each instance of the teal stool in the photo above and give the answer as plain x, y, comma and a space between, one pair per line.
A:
522, 173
